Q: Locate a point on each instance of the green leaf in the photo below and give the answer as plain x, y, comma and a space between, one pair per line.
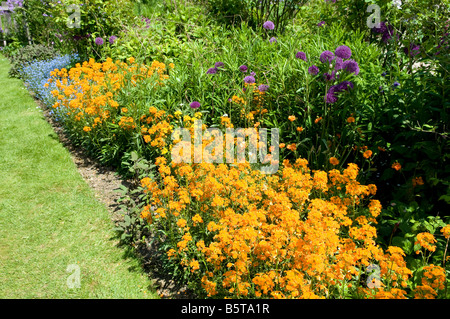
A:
403, 243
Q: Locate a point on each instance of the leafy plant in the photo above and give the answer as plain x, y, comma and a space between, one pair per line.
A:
30, 53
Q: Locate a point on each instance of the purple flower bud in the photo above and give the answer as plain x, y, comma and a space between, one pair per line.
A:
301, 55
212, 71
326, 56
263, 88
249, 79
268, 25
99, 41
195, 105
351, 66
314, 70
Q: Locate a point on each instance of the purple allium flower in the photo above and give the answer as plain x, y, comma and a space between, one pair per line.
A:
413, 50
252, 73
321, 23
329, 77
243, 68
314, 70
112, 39
343, 52
331, 97
249, 79
99, 41
326, 56
382, 28
272, 40
212, 71
218, 64
268, 25
387, 34
195, 105
301, 55
351, 66
263, 87
396, 84
339, 63
344, 86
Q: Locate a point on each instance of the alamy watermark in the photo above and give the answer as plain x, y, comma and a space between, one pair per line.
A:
73, 20
73, 281
235, 146
374, 20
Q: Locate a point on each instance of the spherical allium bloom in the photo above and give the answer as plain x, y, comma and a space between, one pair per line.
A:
263, 87
195, 105
331, 98
329, 77
344, 86
351, 66
338, 63
249, 79
343, 52
268, 25
272, 40
218, 64
321, 23
243, 68
112, 39
301, 55
314, 70
252, 73
326, 56
212, 71
99, 41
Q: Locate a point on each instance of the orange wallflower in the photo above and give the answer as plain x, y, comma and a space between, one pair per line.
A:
292, 118
367, 154
396, 166
334, 161
417, 181
446, 231
426, 240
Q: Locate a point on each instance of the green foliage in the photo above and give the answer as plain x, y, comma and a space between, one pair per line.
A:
256, 12
29, 53
132, 229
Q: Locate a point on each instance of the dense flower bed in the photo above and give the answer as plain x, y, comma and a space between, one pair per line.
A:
233, 231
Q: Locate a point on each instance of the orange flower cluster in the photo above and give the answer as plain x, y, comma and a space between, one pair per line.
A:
86, 95
294, 234
433, 280
426, 240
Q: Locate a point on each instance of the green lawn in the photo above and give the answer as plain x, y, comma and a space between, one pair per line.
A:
49, 217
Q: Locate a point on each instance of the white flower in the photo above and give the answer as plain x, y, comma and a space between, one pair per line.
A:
397, 3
